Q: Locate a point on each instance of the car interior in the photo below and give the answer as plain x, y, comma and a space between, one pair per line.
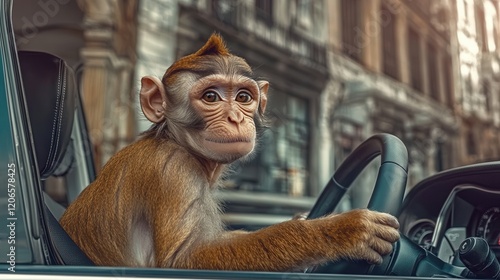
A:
443, 210
437, 215
51, 96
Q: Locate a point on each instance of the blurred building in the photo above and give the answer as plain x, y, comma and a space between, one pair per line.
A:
395, 62
477, 95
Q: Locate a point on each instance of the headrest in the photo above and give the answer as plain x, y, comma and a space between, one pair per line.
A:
50, 89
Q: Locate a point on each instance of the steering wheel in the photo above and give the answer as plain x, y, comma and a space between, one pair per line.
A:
387, 195
407, 258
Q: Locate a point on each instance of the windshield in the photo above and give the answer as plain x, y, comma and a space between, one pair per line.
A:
339, 72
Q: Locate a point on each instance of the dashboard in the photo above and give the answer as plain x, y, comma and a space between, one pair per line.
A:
443, 210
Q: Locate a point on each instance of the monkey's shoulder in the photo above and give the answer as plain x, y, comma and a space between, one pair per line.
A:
149, 150
149, 153
149, 161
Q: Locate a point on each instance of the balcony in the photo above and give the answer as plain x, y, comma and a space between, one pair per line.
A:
290, 41
400, 97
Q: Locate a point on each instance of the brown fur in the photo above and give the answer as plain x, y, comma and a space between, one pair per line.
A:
153, 203
213, 57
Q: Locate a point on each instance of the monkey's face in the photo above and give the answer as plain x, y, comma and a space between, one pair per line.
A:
207, 102
227, 105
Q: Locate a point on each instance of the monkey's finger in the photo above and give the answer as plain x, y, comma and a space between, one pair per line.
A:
381, 246
372, 256
387, 219
388, 234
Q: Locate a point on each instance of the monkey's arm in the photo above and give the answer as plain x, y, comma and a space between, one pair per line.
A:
359, 234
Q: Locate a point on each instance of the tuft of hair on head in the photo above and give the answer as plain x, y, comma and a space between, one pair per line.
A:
214, 46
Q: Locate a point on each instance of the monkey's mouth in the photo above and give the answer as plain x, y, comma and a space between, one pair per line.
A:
228, 149
229, 140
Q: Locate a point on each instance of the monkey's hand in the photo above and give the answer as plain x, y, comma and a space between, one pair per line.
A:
358, 234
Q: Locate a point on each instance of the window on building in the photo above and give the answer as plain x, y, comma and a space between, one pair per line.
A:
350, 135
352, 35
310, 17
439, 164
264, 10
318, 18
281, 164
432, 70
224, 10
486, 88
482, 27
471, 144
490, 21
414, 58
467, 95
448, 81
304, 13
494, 38
466, 11
389, 44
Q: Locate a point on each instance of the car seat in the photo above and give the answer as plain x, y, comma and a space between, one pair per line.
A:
50, 91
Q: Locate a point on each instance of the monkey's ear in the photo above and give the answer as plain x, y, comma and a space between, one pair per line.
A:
153, 99
263, 87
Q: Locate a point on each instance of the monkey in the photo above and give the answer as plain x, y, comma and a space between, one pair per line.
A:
154, 202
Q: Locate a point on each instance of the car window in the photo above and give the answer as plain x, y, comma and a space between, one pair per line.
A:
14, 247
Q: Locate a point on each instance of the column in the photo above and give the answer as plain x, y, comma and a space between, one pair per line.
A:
108, 62
402, 42
373, 33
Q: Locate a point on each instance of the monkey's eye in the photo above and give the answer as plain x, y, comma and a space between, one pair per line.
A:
243, 97
210, 96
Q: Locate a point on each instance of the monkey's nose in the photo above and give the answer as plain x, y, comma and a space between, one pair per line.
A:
235, 117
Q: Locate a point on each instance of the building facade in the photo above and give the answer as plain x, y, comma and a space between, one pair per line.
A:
476, 40
394, 61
